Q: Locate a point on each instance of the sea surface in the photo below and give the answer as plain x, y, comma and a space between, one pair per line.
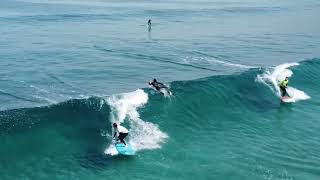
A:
70, 68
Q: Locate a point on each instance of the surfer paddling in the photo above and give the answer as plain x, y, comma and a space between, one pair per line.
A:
122, 131
158, 86
283, 87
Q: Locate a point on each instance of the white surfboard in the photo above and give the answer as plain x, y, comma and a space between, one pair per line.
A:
287, 99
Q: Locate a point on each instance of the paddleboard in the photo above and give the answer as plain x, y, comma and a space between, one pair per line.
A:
124, 149
287, 99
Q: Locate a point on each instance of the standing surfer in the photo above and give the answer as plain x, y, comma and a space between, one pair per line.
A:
149, 22
283, 86
149, 26
122, 131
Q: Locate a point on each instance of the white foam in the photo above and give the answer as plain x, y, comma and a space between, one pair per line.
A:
213, 60
142, 135
274, 76
111, 150
166, 92
38, 88
50, 101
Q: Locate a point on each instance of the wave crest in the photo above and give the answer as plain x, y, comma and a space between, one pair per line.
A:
272, 78
143, 135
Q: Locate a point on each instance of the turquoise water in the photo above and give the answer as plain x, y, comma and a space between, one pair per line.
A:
69, 69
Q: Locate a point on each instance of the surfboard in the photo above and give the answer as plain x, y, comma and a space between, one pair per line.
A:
163, 91
287, 99
126, 150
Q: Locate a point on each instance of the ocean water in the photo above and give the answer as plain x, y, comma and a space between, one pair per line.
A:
70, 68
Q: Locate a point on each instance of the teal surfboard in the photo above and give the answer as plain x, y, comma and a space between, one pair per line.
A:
125, 149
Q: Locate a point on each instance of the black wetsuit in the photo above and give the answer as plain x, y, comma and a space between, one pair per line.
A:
122, 136
283, 90
159, 86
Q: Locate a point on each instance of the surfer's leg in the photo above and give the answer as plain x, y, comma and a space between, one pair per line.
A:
123, 142
283, 90
122, 136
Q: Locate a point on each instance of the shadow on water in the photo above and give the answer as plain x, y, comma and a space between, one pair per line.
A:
149, 33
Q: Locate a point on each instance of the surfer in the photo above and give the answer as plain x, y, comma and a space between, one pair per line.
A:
149, 22
283, 86
149, 26
158, 86
122, 131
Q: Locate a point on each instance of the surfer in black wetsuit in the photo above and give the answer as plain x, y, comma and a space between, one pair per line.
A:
149, 25
158, 86
149, 22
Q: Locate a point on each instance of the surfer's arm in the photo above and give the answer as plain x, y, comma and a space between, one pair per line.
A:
115, 133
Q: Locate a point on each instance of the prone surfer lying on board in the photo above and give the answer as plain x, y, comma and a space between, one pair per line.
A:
158, 86
122, 131
283, 87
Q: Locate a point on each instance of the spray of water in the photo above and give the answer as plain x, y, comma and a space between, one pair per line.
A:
142, 134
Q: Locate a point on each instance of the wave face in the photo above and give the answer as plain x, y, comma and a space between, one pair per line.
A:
232, 123
273, 77
143, 135
70, 68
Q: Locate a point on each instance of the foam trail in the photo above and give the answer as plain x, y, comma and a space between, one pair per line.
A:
39, 89
214, 60
50, 101
142, 135
274, 76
